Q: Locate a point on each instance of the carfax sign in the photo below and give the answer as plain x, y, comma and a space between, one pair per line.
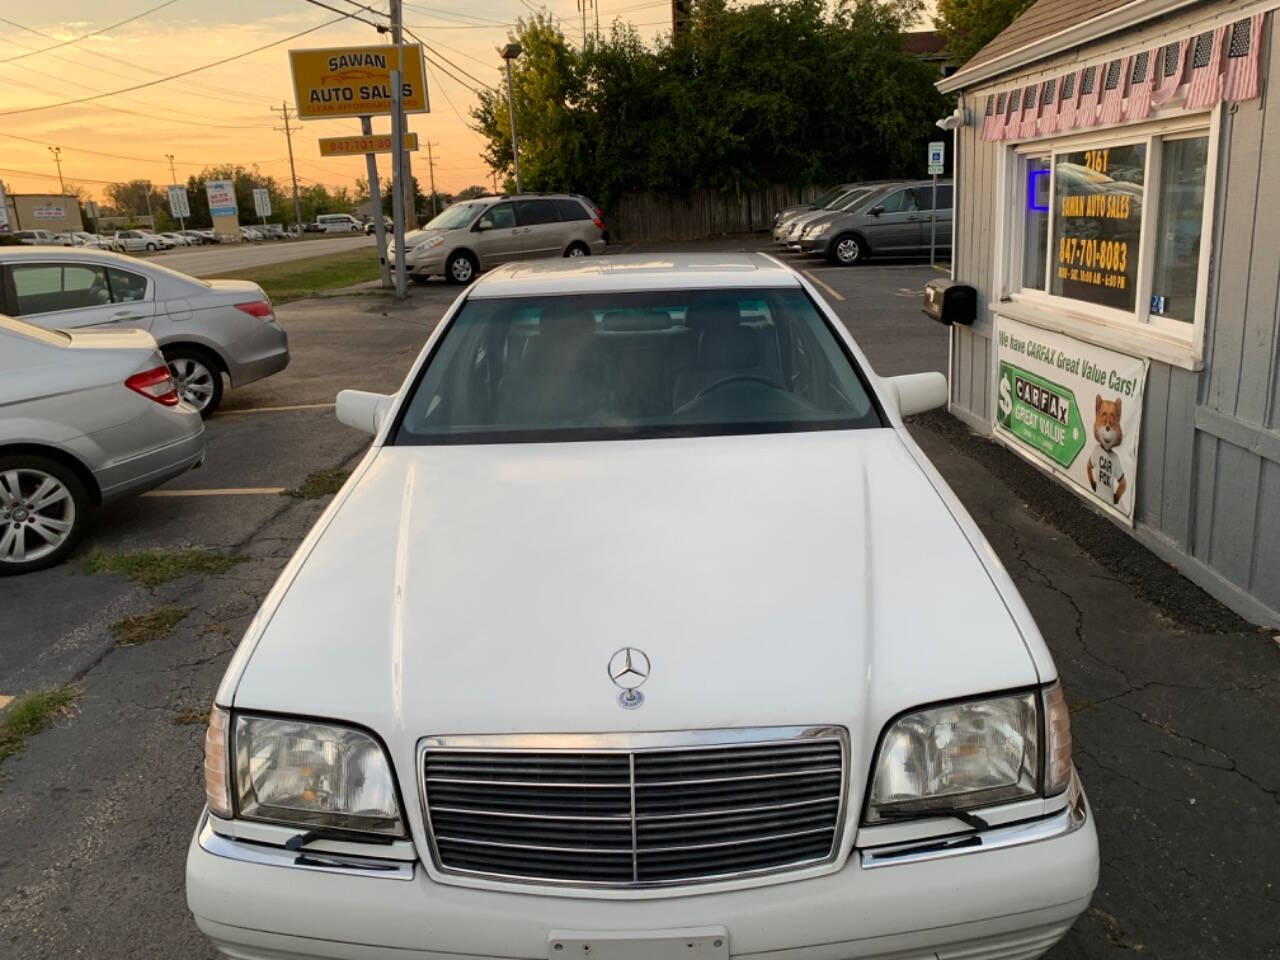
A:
1074, 407
356, 81
222, 198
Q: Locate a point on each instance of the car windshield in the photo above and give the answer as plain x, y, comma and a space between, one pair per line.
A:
852, 199
459, 215
635, 365
825, 198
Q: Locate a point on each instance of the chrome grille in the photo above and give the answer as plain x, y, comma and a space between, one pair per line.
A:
635, 810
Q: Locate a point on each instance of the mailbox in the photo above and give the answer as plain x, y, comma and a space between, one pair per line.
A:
949, 302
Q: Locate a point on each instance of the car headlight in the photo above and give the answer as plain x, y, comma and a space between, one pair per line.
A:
301, 773
429, 244
973, 754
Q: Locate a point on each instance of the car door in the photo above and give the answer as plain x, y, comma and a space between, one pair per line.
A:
542, 231
497, 236
64, 295
941, 228
892, 225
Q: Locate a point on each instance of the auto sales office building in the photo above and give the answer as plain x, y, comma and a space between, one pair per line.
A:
1117, 208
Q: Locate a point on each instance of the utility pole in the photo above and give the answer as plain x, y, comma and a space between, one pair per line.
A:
509, 53
173, 175
57, 158
293, 174
147, 196
396, 15
431, 165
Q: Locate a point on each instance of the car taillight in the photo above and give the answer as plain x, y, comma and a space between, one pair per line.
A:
256, 308
155, 384
598, 221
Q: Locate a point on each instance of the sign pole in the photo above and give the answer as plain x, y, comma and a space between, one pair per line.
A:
933, 220
375, 201
397, 151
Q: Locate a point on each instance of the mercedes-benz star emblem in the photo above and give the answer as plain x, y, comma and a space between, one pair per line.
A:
629, 669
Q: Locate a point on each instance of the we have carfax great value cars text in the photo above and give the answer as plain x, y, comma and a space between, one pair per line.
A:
643, 630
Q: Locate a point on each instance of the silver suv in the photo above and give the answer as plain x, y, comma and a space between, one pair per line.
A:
479, 234
892, 220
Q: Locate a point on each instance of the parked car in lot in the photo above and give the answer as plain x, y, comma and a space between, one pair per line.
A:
205, 328
821, 200
476, 235
86, 418
612, 677
789, 230
274, 231
371, 227
338, 223
41, 238
134, 241
177, 238
82, 238
895, 221
249, 234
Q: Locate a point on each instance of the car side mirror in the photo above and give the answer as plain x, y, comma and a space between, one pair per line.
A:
484, 223
918, 392
876, 210
362, 410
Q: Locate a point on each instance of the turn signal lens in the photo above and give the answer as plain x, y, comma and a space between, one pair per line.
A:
1057, 765
155, 384
217, 793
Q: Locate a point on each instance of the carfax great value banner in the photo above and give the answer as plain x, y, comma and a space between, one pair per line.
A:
1073, 406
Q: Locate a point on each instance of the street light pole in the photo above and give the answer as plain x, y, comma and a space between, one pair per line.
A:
509, 53
147, 195
173, 175
397, 149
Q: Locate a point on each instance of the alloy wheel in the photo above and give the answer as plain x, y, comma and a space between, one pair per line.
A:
461, 269
37, 515
194, 381
848, 250
577, 252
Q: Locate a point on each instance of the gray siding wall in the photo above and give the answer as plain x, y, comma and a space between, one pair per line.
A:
1208, 496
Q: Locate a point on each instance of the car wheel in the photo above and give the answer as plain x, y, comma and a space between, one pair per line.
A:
462, 268
43, 507
151, 246
847, 250
577, 250
197, 378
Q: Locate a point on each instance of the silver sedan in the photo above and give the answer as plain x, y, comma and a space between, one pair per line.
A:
86, 417
207, 329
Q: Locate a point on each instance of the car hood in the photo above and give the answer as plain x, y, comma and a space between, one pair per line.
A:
792, 578
414, 237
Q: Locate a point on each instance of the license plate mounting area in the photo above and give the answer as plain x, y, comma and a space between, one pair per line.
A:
696, 943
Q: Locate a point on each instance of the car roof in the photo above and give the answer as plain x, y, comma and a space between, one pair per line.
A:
61, 253
634, 272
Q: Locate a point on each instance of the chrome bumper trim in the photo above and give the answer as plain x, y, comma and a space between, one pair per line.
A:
1059, 824
268, 856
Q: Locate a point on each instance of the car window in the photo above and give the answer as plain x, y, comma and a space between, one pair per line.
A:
635, 365
534, 212
902, 201
924, 197
500, 216
571, 210
126, 287
49, 287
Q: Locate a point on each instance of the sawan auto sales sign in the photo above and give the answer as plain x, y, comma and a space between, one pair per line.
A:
356, 81
1074, 407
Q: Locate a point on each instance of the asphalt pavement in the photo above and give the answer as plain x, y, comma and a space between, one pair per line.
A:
204, 261
1175, 701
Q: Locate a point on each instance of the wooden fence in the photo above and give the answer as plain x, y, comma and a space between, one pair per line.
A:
703, 213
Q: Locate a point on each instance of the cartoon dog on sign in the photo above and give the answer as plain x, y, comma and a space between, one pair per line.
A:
1106, 470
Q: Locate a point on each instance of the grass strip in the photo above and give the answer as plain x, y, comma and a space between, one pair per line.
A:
296, 279
321, 483
154, 567
30, 714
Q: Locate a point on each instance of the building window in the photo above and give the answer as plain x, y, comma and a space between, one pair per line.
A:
1113, 226
1097, 224
1183, 165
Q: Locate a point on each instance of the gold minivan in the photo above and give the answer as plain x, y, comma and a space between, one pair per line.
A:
475, 235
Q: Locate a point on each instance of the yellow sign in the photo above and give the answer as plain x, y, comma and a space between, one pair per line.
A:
356, 81
373, 143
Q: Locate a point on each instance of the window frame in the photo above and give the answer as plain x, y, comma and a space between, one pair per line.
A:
1161, 337
10, 284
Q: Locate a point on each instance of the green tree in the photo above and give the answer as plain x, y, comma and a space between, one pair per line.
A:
471, 192
130, 198
969, 25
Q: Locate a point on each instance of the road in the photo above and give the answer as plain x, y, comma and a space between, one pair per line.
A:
1175, 719
226, 257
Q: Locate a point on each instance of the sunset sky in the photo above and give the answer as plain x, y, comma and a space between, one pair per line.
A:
223, 114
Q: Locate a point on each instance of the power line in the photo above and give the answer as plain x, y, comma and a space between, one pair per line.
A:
348, 15
175, 76
86, 36
439, 12
376, 13
100, 153
440, 56
457, 113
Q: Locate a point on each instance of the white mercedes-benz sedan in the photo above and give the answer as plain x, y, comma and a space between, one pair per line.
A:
643, 631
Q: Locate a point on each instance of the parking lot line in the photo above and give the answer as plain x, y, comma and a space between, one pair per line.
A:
217, 492
825, 286
280, 409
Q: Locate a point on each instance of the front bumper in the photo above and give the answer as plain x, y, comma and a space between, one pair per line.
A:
1012, 897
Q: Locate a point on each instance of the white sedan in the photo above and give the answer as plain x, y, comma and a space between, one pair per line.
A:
643, 630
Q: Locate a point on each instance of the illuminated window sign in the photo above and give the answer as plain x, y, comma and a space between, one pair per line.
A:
1097, 224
